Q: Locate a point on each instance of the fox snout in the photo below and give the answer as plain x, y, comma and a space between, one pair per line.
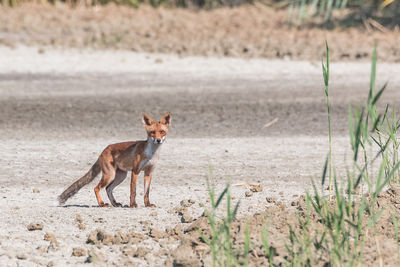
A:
158, 140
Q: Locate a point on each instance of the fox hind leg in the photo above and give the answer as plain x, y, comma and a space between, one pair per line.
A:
119, 178
107, 178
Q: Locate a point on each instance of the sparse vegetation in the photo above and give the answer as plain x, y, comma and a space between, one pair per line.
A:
333, 228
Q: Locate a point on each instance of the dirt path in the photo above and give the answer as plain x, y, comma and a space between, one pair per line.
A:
59, 109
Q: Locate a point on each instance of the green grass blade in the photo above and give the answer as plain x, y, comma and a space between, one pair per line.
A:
378, 95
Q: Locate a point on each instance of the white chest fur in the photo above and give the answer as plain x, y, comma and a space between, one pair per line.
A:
152, 154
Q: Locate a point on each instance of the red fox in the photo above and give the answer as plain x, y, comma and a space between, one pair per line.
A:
117, 159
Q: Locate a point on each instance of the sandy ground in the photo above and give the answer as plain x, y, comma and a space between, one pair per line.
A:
60, 108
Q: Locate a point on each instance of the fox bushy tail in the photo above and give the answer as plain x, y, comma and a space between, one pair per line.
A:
77, 185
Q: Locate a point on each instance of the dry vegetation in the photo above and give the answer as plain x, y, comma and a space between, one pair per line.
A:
246, 31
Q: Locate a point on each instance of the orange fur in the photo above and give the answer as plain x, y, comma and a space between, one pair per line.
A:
118, 159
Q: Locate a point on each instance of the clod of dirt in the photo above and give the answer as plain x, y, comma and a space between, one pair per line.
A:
21, 256
184, 256
271, 199
186, 218
128, 251
256, 188
157, 234
248, 193
146, 222
178, 230
34, 226
99, 237
180, 210
140, 252
135, 252
201, 223
53, 241
187, 202
149, 257
78, 218
41, 249
78, 252
95, 258
98, 220
36, 191
121, 238
81, 226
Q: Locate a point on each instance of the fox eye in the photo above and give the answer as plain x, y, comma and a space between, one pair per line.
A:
152, 132
162, 132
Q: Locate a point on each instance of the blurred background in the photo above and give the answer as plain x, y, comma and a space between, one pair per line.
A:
291, 29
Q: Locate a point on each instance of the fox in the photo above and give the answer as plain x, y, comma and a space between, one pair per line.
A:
118, 159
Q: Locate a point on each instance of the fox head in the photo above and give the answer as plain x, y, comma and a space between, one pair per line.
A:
157, 131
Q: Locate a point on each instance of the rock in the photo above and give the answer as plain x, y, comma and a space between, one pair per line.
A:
186, 218
158, 60
248, 193
256, 188
78, 252
34, 226
36, 191
50, 264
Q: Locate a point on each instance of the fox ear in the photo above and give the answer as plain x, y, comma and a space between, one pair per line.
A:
166, 118
147, 120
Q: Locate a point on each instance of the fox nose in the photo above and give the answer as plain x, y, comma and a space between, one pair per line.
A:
158, 140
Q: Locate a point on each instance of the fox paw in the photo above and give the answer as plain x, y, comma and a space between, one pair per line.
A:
104, 205
149, 205
133, 205
117, 205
